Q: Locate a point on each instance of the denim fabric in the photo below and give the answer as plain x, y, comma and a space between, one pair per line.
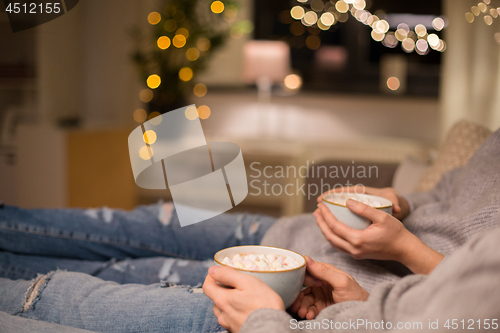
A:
133, 251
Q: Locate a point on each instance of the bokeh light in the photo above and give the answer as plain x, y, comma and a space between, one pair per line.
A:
170, 25
393, 83
420, 30
438, 23
154, 18
359, 4
217, 7
293, 81
149, 137
327, 19
488, 20
203, 44
317, 5
313, 42
163, 42
192, 54
182, 31
179, 41
297, 29
185, 74
154, 81
146, 153
408, 45
146, 95
310, 18
200, 90
140, 115
433, 40
155, 118
203, 112
342, 6
469, 17
297, 12
191, 112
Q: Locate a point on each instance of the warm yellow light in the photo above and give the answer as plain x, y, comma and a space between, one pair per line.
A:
297, 12
170, 25
482, 6
146, 153
377, 36
293, 81
163, 42
359, 4
497, 37
192, 54
438, 23
203, 112
191, 113
475, 10
488, 20
408, 45
341, 6
327, 19
313, 42
236, 32
200, 90
140, 115
494, 12
217, 7
381, 26
469, 17
203, 44
154, 81
317, 5
310, 18
154, 18
297, 28
146, 95
420, 30
182, 31
155, 118
186, 74
149, 137
433, 40
179, 41
393, 83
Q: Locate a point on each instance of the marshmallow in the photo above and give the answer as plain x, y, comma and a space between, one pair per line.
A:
260, 262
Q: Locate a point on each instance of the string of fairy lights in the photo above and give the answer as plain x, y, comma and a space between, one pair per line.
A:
202, 45
324, 14
488, 10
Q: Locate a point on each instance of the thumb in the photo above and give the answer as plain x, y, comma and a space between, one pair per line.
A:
322, 271
228, 276
373, 214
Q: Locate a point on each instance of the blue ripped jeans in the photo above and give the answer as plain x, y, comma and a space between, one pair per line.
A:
114, 271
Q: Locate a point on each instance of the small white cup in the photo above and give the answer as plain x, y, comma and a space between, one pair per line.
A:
287, 283
344, 214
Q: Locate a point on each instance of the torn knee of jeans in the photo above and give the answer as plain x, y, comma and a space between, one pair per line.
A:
165, 213
253, 228
35, 290
198, 289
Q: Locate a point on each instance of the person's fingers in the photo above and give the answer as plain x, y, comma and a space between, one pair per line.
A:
216, 311
311, 281
214, 291
220, 317
332, 275
305, 303
229, 276
339, 243
337, 227
312, 312
373, 214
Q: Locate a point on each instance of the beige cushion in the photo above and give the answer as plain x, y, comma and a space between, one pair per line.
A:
461, 142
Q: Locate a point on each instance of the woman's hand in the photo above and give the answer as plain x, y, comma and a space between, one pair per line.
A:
385, 239
327, 285
233, 306
400, 207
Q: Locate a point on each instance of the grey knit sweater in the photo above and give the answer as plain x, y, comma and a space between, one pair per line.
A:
465, 202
